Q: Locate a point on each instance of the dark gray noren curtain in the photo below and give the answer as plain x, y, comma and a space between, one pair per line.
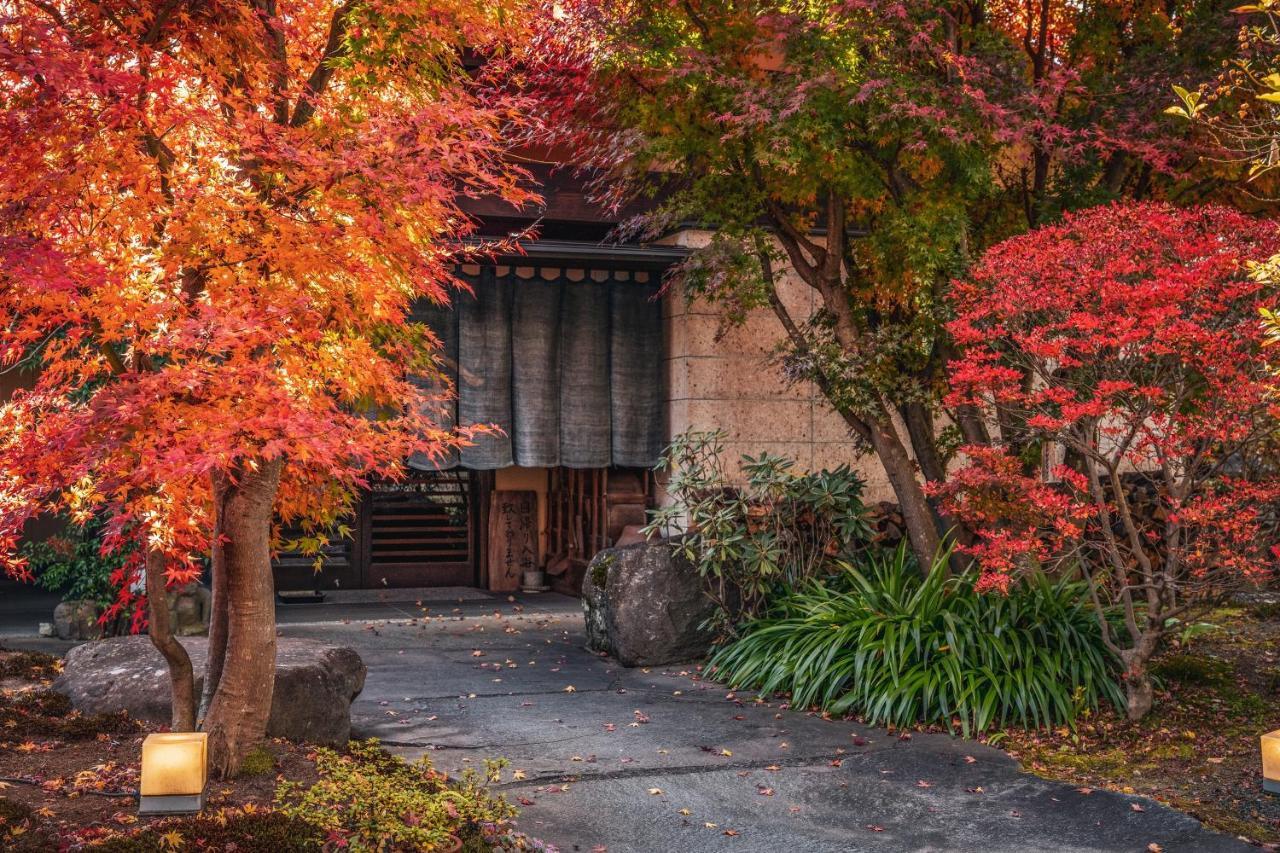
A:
568, 365
484, 369
636, 361
535, 337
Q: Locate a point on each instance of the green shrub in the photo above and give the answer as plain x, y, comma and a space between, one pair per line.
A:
884, 644
376, 801
71, 562
756, 535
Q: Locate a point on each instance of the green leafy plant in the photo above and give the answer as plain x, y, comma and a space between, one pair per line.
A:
891, 647
71, 562
369, 800
756, 534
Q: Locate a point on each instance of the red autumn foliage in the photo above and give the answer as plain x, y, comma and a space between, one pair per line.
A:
1125, 340
214, 218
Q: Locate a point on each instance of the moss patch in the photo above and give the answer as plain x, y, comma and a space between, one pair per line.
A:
41, 712
600, 570
257, 762
22, 830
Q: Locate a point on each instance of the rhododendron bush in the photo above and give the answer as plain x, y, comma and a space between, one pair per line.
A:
1124, 344
214, 217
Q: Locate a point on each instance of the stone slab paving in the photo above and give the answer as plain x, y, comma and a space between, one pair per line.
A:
655, 761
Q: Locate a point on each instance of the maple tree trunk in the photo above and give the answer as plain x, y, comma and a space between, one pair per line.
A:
917, 515
1139, 692
181, 679
237, 718
218, 599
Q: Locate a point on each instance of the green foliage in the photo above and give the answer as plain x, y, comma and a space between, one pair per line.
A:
376, 801
884, 644
72, 563
761, 533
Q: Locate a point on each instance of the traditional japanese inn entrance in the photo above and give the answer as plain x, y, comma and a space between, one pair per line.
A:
565, 358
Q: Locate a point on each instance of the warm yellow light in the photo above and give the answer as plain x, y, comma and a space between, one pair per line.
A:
1271, 762
174, 765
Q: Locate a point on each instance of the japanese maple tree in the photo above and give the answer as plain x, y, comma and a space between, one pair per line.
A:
869, 148
1124, 343
214, 217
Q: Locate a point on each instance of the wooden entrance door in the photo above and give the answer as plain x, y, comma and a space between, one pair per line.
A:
419, 531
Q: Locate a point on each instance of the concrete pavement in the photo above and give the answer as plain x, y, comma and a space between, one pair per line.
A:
654, 761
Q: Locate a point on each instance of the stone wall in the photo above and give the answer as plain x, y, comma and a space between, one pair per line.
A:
720, 378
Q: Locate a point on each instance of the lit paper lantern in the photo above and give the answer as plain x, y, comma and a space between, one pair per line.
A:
175, 769
1271, 762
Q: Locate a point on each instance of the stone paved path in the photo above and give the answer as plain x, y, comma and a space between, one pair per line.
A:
657, 761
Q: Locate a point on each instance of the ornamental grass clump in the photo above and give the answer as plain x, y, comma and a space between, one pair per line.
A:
369, 800
884, 644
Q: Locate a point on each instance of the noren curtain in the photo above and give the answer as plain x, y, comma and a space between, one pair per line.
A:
568, 364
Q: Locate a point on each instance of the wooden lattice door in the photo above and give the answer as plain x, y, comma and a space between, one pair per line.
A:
420, 531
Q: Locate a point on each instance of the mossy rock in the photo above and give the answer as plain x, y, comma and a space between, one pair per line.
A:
644, 604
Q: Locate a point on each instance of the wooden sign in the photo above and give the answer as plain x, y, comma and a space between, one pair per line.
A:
513, 538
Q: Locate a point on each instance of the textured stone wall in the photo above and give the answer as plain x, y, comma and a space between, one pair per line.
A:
721, 378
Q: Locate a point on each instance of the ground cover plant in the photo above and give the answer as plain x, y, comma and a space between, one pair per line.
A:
883, 644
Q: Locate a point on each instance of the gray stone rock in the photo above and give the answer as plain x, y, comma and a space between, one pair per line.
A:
644, 604
315, 684
77, 620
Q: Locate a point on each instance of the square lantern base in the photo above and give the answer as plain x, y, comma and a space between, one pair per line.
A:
173, 804
1271, 786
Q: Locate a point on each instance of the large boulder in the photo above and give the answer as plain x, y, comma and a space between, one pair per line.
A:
315, 684
644, 604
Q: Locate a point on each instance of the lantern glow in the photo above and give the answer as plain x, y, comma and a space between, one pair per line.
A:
174, 773
1271, 762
